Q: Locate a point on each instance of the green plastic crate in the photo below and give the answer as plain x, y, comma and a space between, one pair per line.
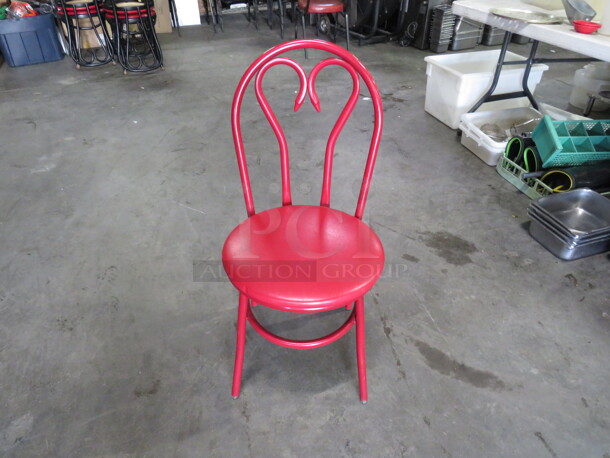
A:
531, 187
569, 143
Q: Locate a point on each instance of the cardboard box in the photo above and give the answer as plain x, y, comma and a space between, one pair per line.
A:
88, 38
164, 20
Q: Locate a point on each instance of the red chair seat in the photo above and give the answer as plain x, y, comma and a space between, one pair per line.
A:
321, 6
129, 12
303, 258
78, 10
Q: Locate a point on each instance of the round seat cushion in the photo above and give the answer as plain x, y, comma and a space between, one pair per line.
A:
322, 6
303, 258
78, 8
128, 10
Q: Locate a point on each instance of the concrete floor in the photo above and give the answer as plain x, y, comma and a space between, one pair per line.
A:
480, 342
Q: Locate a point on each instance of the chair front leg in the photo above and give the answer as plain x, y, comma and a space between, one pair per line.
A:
361, 349
240, 347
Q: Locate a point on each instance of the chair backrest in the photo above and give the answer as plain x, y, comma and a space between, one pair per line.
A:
257, 71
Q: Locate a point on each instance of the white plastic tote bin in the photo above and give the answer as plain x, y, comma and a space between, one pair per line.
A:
457, 81
481, 144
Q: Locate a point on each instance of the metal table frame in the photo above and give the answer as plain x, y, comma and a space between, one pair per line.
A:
561, 35
531, 60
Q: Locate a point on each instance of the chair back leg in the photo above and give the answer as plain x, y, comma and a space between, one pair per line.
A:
361, 350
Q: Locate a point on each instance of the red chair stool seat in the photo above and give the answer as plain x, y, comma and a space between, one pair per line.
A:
302, 258
78, 9
131, 10
322, 6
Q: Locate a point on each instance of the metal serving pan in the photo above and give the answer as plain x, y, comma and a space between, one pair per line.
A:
533, 17
577, 237
580, 211
570, 242
560, 249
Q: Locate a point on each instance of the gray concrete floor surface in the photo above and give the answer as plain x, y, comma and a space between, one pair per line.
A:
116, 188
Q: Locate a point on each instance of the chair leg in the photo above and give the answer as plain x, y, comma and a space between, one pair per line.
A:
347, 31
256, 14
240, 347
303, 27
253, 17
173, 13
303, 24
589, 106
270, 14
361, 349
219, 19
282, 9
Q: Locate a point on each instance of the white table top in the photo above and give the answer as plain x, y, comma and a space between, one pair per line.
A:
561, 35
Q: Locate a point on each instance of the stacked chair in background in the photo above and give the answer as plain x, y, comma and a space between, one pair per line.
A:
133, 35
98, 33
83, 25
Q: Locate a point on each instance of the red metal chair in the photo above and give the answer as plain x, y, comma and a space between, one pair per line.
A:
304, 258
321, 8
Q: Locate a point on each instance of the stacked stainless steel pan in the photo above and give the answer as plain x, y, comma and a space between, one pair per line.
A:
573, 224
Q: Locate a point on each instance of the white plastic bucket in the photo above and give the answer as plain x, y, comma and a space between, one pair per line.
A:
591, 79
487, 149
